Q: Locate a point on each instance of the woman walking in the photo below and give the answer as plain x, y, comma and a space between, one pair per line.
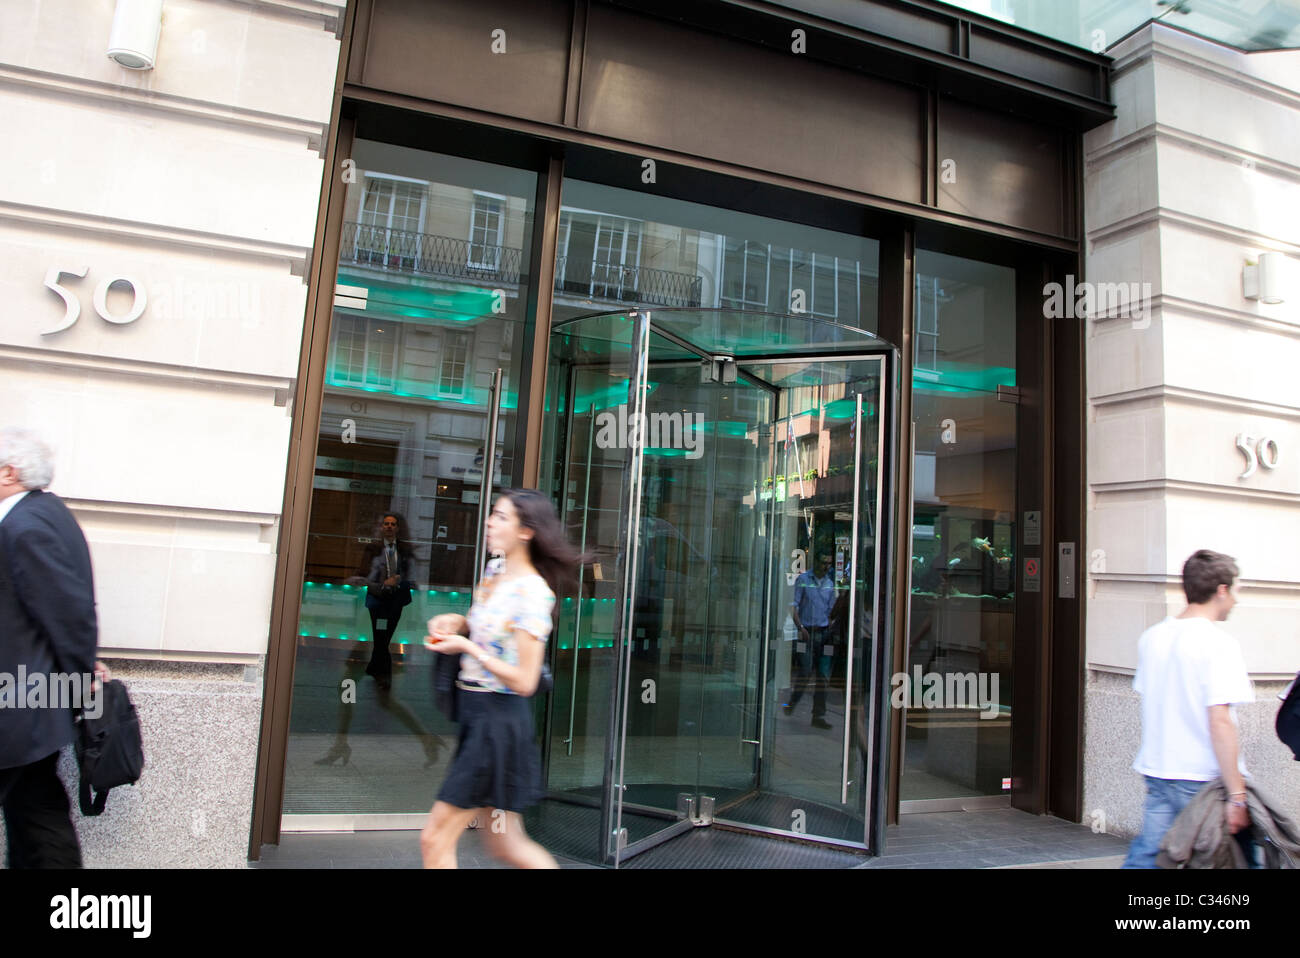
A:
496, 773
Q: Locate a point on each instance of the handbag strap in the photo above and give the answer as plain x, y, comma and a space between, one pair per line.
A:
89, 806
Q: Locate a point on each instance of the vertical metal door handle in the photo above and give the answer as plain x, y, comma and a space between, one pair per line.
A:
489, 471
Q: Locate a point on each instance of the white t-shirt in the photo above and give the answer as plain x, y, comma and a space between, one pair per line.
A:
1184, 667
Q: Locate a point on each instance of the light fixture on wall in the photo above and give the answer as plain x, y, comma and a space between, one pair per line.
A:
133, 41
1263, 280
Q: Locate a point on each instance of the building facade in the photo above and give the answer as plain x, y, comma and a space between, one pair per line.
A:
1192, 182
157, 229
814, 251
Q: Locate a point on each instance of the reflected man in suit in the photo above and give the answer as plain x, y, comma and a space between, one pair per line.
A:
47, 625
388, 592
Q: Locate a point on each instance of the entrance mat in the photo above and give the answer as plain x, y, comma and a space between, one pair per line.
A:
574, 830
715, 847
768, 810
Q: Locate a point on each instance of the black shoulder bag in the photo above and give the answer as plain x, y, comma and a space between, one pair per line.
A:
1288, 719
109, 749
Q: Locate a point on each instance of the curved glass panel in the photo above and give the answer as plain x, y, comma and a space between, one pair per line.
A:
735, 332
1097, 24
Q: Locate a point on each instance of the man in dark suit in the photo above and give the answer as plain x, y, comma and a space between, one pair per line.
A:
47, 625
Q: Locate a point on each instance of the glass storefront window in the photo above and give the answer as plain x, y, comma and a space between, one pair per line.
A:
963, 532
431, 289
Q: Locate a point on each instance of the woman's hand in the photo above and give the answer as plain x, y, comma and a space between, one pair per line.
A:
448, 644
445, 634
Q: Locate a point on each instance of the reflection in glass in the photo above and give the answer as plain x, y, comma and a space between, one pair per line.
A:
429, 297
958, 743
619, 247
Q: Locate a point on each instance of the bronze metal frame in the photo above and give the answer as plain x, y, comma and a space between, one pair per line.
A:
291, 553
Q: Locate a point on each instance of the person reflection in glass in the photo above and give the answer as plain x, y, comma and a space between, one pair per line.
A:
814, 600
388, 592
386, 569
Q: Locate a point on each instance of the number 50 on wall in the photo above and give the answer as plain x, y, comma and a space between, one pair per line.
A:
1258, 452
73, 306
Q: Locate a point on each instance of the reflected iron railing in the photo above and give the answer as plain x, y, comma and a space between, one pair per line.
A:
410, 252
406, 251
643, 285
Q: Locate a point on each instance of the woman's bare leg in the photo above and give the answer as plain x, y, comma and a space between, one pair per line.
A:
441, 833
508, 842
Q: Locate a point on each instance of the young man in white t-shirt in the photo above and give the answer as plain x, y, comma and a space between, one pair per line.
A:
1190, 674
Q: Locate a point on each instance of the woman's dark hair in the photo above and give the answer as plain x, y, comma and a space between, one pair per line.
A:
552, 555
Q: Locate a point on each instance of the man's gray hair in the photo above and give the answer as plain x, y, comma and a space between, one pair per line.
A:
30, 457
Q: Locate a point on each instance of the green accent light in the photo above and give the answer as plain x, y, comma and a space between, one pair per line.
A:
953, 377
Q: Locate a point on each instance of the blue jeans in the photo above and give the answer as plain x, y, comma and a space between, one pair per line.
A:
1166, 797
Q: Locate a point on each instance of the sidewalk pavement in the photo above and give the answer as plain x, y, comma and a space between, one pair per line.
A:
997, 838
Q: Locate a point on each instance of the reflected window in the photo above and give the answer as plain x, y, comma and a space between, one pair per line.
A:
365, 352
390, 216
455, 356
486, 228
745, 274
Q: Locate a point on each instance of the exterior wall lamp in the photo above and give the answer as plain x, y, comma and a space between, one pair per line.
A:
133, 41
1264, 280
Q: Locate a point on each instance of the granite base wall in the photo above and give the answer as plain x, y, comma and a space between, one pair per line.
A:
1113, 792
193, 805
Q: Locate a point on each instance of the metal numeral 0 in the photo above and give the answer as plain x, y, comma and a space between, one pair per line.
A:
139, 300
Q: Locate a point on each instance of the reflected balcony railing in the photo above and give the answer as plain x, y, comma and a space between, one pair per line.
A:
642, 285
406, 251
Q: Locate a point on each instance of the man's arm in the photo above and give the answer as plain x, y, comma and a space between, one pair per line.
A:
54, 595
1223, 736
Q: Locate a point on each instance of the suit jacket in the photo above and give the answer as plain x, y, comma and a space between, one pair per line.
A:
47, 619
387, 600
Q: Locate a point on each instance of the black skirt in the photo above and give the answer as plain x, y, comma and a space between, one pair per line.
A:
496, 763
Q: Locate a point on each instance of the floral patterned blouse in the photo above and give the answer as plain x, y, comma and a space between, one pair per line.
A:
523, 603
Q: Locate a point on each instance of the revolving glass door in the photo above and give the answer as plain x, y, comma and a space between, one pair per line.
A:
721, 661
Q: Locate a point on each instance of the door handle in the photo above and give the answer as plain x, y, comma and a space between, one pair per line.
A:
489, 471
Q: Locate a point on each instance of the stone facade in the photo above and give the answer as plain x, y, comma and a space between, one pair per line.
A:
198, 182
1196, 176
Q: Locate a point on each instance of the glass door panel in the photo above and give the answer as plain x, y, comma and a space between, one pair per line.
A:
822, 493
589, 473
